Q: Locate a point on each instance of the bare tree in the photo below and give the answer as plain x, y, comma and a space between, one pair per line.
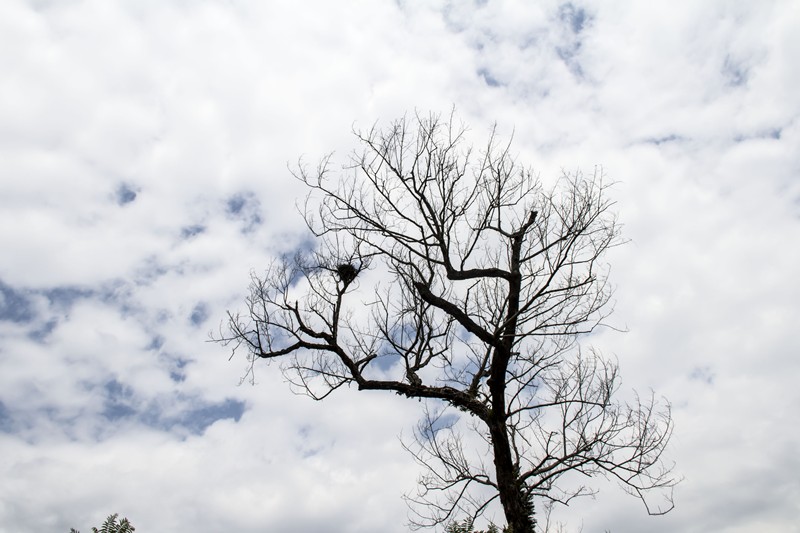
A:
454, 275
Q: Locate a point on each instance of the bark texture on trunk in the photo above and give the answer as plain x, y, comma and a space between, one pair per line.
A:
512, 497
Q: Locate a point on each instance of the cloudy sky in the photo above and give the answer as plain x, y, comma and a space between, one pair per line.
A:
143, 174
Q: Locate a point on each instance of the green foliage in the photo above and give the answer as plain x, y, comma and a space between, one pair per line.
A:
459, 527
111, 526
530, 510
467, 526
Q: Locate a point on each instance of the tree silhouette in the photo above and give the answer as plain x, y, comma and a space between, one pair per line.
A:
454, 275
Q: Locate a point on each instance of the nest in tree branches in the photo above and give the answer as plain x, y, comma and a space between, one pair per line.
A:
347, 272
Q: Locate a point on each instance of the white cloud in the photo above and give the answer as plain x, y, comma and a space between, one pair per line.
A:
196, 108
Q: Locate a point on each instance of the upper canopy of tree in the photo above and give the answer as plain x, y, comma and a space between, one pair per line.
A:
477, 284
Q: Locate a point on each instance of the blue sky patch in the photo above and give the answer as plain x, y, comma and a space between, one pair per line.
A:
15, 305
6, 422
199, 418
199, 314
119, 401
703, 374
192, 413
658, 141
771, 133
575, 18
66, 296
386, 362
440, 422
43, 330
178, 375
569, 55
236, 203
244, 206
188, 232
156, 342
734, 72
174, 365
125, 194
177, 368
488, 78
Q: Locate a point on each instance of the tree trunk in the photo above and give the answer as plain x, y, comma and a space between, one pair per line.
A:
515, 504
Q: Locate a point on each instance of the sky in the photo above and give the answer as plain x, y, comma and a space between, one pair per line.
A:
145, 149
